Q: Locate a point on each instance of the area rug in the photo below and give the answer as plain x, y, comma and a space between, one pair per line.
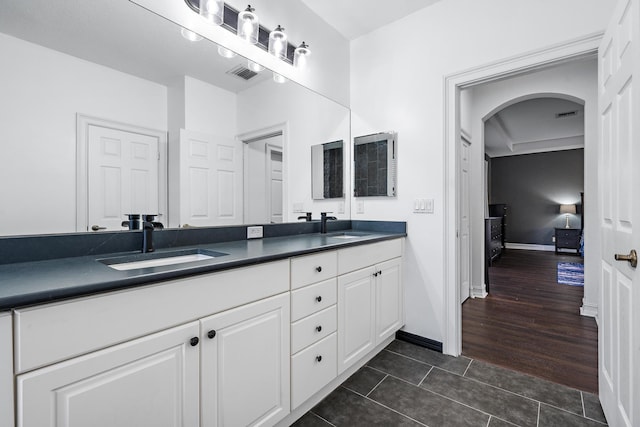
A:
571, 273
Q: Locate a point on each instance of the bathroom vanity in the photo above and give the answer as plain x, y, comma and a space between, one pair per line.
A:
254, 336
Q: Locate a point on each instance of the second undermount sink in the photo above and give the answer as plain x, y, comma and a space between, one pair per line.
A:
347, 235
159, 259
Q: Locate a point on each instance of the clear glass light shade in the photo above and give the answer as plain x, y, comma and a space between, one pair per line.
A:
212, 11
248, 25
301, 56
278, 78
278, 42
254, 66
190, 35
225, 53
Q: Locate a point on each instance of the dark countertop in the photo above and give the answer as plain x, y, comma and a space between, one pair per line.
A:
28, 283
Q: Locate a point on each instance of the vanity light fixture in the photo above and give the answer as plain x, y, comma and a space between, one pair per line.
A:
278, 43
248, 25
301, 56
190, 35
225, 53
254, 66
278, 78
212, 11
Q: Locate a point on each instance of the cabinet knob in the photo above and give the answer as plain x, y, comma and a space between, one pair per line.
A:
318, 298
319, 328
194, 341
318, 358
380, 272
211, 333
319, 269
375, 274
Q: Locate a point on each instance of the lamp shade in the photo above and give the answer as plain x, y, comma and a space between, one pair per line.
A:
248, 25
567, 209
278, 42
212, 11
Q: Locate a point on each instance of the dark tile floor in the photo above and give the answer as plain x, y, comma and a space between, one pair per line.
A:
409, 385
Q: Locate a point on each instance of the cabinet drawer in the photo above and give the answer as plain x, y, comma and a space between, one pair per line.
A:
357, 257
313, 268
312, 369
311, 299
306, 331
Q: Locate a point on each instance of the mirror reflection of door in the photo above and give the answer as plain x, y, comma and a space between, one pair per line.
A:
264, 180
122, 176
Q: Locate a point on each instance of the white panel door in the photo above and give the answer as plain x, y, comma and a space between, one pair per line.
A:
210, 180
356, 316
275, 184
619, 157
122, 176
151, 381
245, 364
465, 241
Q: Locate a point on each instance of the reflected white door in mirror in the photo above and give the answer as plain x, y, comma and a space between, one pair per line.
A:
120, 167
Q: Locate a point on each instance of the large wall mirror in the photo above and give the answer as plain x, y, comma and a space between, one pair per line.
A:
327, 170
109, 109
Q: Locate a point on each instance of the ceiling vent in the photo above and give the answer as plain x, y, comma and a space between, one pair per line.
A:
566, 114
242, 72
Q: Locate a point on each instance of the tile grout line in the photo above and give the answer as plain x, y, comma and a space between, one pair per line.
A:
584, 412
538, 419
326, 421
464, 374
425, 363
376, 386
391, 409
425, 377
489, 421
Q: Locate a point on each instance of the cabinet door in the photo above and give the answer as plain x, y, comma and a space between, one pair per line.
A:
245, 364
151, 381
389, 299
356, 316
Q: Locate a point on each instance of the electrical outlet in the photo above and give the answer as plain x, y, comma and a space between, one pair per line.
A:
254, 232
553, 239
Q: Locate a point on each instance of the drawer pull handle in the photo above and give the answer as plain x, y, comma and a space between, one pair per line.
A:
319, 268
194, 341
319, 328
318, 358
211, 333
318, 298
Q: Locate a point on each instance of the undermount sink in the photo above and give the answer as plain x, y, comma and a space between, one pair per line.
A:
347, 235
159, 259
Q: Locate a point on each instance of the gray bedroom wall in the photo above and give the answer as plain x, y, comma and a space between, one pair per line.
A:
534, 186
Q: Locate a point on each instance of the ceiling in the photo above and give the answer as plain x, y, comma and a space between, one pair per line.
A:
123, 36
532, 126
354, 18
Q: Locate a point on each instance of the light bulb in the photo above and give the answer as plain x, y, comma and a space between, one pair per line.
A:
248, 25
212, 11
301, 56
278, 42
225, 53
279, 78
254, 66
190, 35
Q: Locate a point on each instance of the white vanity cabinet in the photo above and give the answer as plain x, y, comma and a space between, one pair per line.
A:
151, 381
6, 370
370, 298
136, 369
245, 364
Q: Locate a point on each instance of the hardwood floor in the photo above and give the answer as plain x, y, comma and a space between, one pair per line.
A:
530, 323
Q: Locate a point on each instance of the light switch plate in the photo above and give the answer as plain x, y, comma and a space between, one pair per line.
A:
360, 207
254, 232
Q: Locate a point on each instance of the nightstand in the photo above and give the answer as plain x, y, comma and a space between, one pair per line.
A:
568, 238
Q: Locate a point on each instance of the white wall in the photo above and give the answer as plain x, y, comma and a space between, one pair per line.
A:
397, 76
329, 68
42, 91
309, 119
577, 79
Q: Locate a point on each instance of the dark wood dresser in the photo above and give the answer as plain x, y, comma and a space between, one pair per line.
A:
493, 237
568, 238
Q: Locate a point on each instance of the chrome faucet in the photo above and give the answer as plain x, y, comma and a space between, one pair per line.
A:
323, 221
148, 225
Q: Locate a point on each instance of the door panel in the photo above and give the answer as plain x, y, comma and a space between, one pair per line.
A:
619, 321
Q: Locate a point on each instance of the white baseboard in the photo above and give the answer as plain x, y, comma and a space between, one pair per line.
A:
589, 310
531, 247
479, 292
